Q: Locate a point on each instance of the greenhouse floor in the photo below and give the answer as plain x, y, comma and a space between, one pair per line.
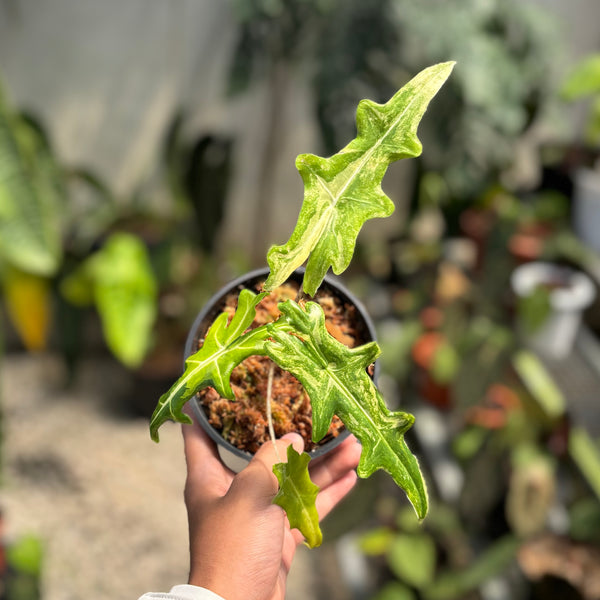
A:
81, 473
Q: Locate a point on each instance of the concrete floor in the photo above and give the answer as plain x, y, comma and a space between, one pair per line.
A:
106, 501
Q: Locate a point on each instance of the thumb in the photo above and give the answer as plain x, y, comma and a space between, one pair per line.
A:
258, 476
274, 452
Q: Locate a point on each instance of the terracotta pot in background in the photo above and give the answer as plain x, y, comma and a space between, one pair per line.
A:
423, 352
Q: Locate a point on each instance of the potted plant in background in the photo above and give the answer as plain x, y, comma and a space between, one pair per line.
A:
341, 193
558, 296
513, 465
53, 237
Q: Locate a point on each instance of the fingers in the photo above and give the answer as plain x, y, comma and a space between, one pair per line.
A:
335, 474
260, 468
270, 453
199, 448
207, 477
328, 499
330, 496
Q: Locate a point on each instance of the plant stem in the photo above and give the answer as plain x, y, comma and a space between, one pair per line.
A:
301, 296
269, 414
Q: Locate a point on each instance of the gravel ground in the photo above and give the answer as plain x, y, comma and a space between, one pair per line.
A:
86, 478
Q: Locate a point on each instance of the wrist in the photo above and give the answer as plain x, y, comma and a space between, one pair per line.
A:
204, 581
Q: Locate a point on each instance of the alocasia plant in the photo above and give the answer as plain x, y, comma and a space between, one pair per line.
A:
341, 193
223, 349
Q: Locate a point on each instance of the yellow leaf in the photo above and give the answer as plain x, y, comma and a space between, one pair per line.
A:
28, 302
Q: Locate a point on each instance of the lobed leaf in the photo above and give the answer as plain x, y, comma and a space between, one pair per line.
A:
343, 191
297, 496
336, 379
225, 346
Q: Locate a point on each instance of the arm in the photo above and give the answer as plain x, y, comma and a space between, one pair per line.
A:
241, 546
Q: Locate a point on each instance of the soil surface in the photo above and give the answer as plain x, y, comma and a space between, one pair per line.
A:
243, 422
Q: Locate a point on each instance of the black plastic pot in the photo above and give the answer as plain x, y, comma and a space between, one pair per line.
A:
215, 306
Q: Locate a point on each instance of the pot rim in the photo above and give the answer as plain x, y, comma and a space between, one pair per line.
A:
244, 281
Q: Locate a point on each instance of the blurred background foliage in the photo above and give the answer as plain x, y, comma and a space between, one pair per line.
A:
89, 265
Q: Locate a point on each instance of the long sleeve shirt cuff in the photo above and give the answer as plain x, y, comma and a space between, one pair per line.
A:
183, 592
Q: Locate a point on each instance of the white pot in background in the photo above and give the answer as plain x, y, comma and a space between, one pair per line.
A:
586, 207
571, 293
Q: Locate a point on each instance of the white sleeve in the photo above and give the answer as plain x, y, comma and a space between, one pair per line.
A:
183, 592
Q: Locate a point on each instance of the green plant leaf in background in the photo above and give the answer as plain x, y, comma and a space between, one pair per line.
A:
377, 541
585, 452
539, 383
454, 584
223, 349
120, 281
584, 82
395, 591
584, 79
412, 558
534, 309
343, 191
30, 196
26, 555
297, 496
336, 379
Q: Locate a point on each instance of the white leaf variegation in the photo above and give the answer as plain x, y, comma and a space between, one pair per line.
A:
344, 191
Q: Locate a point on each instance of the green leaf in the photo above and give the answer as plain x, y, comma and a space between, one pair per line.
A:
412, 558
344, 191
395, 591
534, 309
125, 292
120, 281
586, 454
26, 555
446, 363
539, 383
377, 541
451, 585
78, 287
223, 349
30, 197
297, 496
336, 380
584, 80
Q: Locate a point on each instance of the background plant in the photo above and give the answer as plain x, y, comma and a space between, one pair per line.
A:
507, 444
583, 84
44, 234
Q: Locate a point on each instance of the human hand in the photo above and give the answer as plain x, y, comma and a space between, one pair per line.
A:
241, 545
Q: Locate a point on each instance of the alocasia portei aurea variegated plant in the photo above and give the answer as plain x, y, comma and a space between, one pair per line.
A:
341, 193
